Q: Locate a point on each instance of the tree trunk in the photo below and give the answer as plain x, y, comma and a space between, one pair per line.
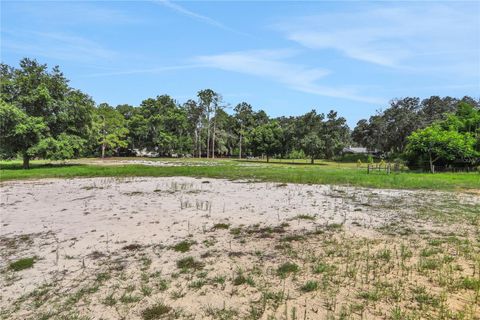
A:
268, 158
240, 149
208, 134
26, 162
103, 150
195, 148
431, 164
312, 161
213, 140
241, 137
199, 139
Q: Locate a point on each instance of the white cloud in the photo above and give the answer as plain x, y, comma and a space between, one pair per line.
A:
271, 64
154, 70
411, 36
56, 45
182, 10
68, 13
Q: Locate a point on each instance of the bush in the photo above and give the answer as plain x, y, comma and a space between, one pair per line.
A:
296, 154
350, 157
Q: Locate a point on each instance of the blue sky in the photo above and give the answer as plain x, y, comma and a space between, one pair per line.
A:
284, 57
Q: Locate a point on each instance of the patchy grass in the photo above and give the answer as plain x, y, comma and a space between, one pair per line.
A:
183, 246
277, 270
22, 264
304, 217
190, 263
326, 173
310, 285
157, 311
286, 269
221, 226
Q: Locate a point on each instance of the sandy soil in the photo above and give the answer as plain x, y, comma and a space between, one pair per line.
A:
179, 162
107, 238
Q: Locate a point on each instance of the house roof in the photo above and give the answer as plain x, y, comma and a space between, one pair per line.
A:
355, 150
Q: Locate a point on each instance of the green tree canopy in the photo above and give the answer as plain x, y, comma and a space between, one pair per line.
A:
265, 139
44, 96
313, 146
435, 144
110, 127
453, 140
19, 133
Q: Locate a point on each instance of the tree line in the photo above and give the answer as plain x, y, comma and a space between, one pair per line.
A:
41, 116
434, 131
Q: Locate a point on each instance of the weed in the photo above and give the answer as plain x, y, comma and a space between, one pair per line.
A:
221, 226
129, 298
190, 263
372, 295
157, 311
287, 268
183, 246
309, 286
322, 267
304, 217
22, 264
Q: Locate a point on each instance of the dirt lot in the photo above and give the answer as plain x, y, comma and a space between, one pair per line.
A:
168, 248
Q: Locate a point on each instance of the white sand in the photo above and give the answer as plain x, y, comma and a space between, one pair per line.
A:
70, 219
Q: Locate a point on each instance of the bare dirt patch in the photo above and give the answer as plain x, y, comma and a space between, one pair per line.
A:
167, 248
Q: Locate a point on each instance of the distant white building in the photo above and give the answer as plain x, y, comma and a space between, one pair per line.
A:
355, 150
145, 153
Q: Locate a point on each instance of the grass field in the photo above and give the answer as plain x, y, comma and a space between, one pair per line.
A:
294, 171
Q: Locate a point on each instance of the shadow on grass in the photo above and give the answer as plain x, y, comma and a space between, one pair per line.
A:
283, 162
18, 166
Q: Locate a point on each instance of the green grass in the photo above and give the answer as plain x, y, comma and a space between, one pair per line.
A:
281, 172
287, 268
309, 286
156, 311
183, 246
190, 263
21, 264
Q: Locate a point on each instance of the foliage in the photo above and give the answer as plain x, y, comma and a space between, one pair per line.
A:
63, 147
388, 130
42, 116
19, 133
313, 146
451, 141
265, 139
435, 144
49, 109
110, 128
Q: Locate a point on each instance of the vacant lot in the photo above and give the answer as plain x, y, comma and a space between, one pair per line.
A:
191, 248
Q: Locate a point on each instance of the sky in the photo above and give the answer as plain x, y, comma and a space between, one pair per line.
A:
286, 58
